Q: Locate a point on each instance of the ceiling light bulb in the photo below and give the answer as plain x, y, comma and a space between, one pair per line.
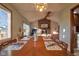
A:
41, 10
41, 6
37, 6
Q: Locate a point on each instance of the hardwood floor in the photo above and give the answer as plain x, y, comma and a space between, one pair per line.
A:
38, 50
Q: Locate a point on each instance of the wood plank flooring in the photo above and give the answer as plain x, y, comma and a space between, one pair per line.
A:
38, 50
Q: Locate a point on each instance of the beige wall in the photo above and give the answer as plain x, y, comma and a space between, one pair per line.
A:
17, 21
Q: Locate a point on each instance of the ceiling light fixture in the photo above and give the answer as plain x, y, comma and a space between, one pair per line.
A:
41, 6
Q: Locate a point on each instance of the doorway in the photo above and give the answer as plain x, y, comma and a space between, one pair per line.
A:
74, 29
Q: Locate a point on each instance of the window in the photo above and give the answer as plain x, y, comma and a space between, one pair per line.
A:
26, 29
5, 24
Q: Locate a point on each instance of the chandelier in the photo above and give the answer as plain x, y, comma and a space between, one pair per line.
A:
41, 6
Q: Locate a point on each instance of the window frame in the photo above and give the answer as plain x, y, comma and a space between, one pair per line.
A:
23, 28
3, 6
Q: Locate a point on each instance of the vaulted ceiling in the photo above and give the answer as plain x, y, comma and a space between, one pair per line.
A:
28, 10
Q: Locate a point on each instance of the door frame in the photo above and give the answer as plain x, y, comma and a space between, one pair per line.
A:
72, 34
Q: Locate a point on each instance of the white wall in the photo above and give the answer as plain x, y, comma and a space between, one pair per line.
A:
65, 24
64, 17
35, 24
54, 26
